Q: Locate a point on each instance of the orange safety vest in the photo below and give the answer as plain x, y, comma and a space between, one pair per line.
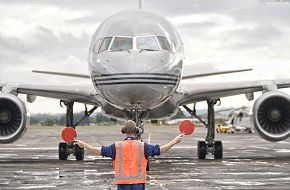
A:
130, 162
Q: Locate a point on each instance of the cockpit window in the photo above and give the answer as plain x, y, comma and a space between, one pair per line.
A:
105, 44
122, 44
140, 43
97, 46
147, 43
164, 43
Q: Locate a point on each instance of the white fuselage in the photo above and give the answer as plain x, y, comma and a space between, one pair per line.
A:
135, 60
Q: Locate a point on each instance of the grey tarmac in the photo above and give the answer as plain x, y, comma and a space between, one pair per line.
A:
249, 162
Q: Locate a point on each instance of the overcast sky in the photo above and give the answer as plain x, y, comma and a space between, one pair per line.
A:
217, 35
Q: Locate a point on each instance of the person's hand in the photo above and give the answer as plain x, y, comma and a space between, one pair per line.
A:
178, 139
80, 143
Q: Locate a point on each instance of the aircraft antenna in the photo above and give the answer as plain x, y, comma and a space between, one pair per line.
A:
140, 4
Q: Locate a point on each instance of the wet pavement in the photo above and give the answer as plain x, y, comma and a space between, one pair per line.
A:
249, 162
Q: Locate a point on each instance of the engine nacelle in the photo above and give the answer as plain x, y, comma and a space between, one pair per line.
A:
14, 118
271, 116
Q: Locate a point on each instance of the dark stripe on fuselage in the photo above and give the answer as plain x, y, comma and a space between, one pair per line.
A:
124, 74
135, 78
137, 82
128, 78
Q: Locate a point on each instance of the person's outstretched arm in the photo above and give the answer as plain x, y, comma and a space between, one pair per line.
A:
166, 147
82, 144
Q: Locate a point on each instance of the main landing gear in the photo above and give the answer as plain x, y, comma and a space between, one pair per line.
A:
210, 145
65, 149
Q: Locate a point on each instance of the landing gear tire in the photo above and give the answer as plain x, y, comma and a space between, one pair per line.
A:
201, 150
218, 150
79, 152
62, 151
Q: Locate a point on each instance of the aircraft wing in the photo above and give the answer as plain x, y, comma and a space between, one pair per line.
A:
193, 92
77, 93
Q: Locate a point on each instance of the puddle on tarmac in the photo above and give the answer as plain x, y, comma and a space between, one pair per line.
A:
282, 150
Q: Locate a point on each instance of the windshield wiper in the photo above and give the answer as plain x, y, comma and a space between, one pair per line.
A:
148, 50
120, 50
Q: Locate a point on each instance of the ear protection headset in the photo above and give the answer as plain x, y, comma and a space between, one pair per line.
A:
124, 131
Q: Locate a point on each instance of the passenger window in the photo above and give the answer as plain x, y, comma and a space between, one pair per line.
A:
105, 44
164, 44
147, 43
122, 44
97, 46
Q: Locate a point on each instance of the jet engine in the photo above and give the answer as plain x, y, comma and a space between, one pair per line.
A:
13, 118
271, 116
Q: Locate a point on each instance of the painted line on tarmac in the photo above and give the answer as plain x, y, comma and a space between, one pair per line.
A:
149, 138
183, 147
162, 187
32, 148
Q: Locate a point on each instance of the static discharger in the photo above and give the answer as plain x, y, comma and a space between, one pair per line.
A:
186, 127
69, 134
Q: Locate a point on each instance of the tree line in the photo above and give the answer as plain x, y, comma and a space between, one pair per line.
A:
97, 118
60, 119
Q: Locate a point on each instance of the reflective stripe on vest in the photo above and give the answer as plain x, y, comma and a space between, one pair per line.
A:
120, 166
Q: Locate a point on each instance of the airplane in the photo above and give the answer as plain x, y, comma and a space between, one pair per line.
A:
241, 120
135, 66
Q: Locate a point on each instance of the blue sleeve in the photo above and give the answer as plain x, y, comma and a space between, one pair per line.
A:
109, 151
151, 150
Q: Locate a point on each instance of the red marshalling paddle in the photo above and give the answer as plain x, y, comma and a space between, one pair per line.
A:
69, 134
186, 127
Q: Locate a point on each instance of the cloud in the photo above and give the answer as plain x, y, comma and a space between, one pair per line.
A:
260, 36
267, 13
46, 44
171, 7
199, 68
44, 50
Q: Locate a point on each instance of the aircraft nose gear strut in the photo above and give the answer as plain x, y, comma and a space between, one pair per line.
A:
138, 115
210, 145
139, 123
66, 148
